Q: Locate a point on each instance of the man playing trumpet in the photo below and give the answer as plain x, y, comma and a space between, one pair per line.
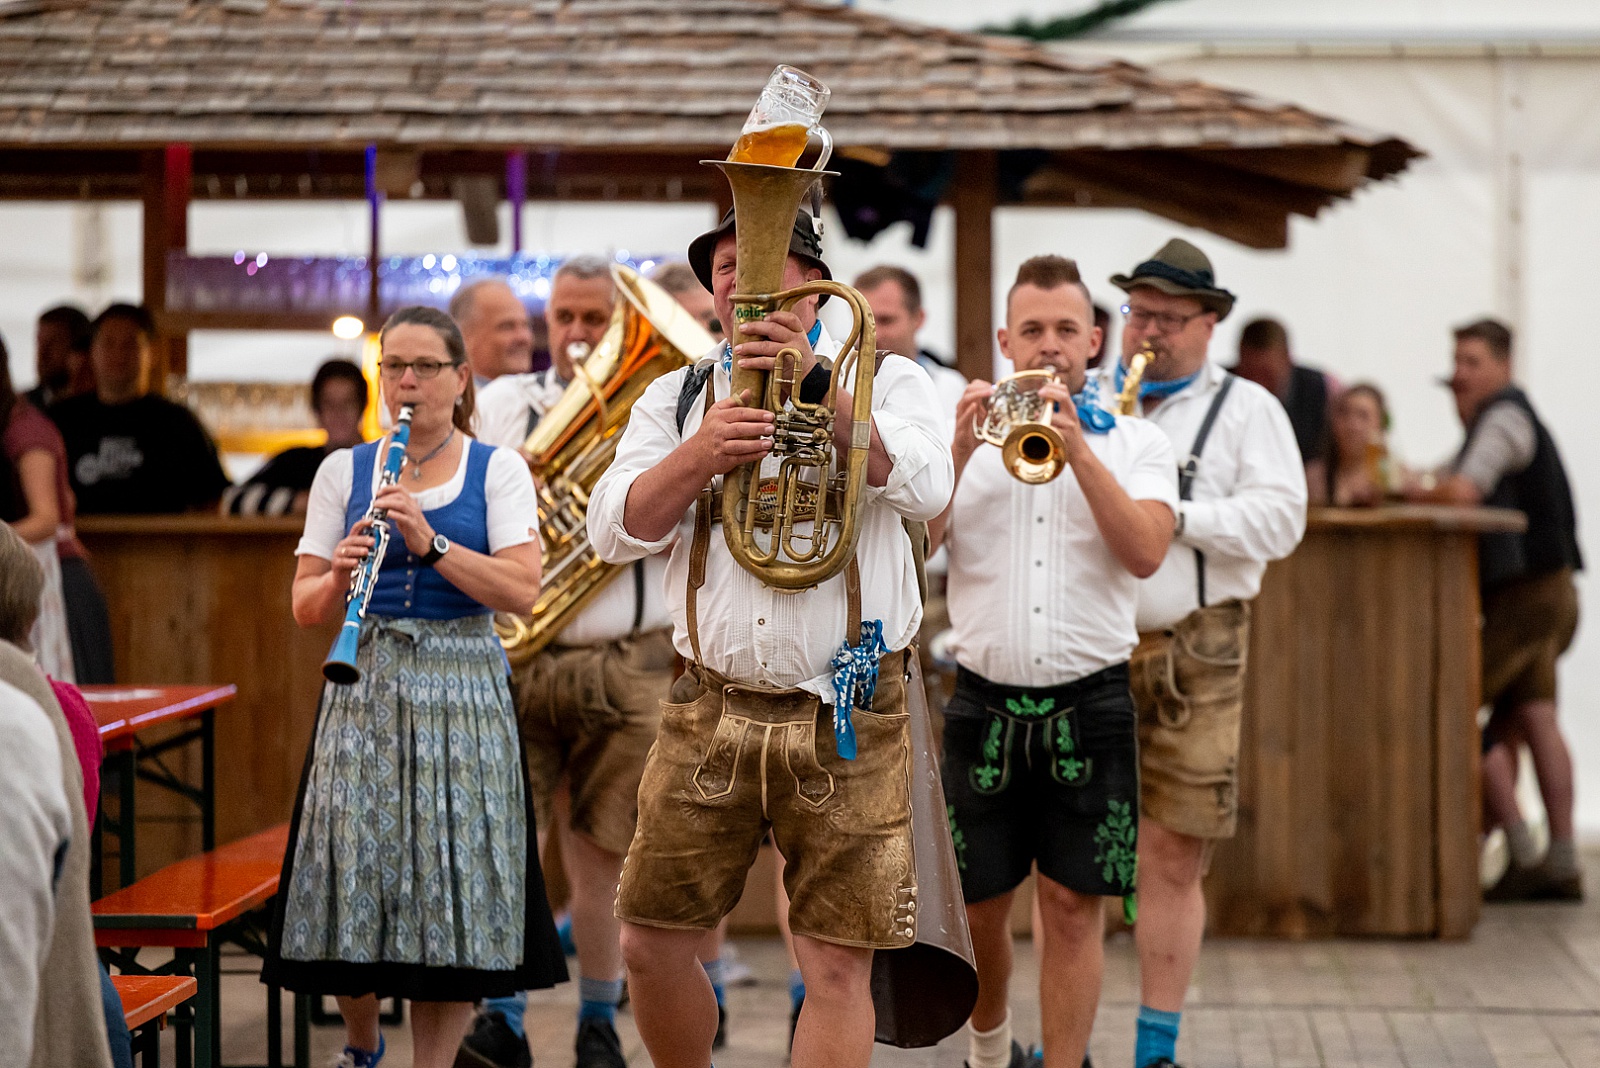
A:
747, 738
1040, 744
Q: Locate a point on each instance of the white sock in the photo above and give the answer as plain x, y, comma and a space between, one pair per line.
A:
989, 1049
1562, 859
1524, 850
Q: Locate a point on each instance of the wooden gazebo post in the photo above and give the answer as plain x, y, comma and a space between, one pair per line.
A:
164, 190
973, 198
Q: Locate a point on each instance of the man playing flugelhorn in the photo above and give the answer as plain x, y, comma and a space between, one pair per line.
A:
747, 739
1040, 742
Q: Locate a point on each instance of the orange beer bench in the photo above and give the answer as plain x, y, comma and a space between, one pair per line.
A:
145, 1002
195, 906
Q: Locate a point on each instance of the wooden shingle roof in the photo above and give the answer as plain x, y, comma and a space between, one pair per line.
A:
630, 77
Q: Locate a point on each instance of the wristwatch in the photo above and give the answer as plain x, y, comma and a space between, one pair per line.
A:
436, 551
1183, 521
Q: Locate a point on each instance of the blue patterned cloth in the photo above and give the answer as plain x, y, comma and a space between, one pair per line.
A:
1093, 414
413, 834
855, 682
1158, 390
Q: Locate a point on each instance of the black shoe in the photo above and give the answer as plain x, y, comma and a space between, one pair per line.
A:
721, 1038
1162, 1062
598, 1046
492, 1044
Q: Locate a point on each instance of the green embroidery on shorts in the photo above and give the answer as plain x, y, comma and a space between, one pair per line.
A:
957, 839
988, 772
1026, 707
1067, 763
1118, 840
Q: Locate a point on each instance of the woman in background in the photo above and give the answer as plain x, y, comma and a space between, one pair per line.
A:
1355, 469
41, 514
412, 870
283, 485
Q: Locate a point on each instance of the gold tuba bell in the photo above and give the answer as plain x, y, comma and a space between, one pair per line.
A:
809, 519
650, 334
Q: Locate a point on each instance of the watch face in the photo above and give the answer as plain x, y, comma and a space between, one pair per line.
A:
441, 544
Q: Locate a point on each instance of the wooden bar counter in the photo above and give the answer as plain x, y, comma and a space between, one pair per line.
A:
198, 598
1358, 796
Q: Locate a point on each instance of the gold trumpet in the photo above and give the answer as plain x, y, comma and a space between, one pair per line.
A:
1128, 399
799, 528
1017, 419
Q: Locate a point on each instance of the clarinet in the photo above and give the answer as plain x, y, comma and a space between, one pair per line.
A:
340, 667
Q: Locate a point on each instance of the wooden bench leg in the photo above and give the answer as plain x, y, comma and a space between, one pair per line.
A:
147, 1044
206, 966
274, 1027
302, 1031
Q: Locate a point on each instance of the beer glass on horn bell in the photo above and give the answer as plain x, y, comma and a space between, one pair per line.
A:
788, 111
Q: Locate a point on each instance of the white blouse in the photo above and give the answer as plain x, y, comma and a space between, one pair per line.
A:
513, 507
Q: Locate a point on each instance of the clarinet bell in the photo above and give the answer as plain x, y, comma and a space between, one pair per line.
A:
340, 667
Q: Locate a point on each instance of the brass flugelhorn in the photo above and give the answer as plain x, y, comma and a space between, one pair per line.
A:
1017, 420
809, 510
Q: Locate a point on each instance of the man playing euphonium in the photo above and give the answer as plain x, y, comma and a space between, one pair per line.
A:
1040, 744
747, 741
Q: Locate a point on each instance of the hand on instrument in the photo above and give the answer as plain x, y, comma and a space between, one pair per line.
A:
732, 434
353, 548
1065, 419
778, 331
969, 412
407, 518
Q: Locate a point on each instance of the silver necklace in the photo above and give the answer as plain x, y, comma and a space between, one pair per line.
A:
416, 465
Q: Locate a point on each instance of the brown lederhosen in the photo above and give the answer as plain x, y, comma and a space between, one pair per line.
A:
733, 761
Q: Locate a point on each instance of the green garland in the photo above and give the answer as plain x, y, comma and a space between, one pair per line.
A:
1070, 26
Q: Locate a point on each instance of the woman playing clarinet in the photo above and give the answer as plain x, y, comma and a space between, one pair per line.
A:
411, 870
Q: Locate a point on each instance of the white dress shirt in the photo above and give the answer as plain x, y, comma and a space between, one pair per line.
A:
1248, 503
502, 413
949, 384
1036, 596
749, 631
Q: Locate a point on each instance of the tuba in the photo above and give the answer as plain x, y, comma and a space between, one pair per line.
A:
1017, 419
649, 335
808, 527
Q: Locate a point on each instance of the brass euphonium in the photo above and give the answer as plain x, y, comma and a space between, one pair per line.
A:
650, 334
1017, 420
808, 527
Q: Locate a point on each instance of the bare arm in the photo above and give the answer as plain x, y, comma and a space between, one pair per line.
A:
506, 581
1136, 532
37, 472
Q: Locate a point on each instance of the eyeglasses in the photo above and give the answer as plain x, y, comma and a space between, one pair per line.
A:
1165, 322
424, 368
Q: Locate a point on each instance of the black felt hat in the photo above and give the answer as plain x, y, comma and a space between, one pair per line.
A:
805, 241
1181, 270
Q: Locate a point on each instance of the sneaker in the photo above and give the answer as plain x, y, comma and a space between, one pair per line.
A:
598, 1046
492, 1044
721, 1038
360, 1058
1535, 884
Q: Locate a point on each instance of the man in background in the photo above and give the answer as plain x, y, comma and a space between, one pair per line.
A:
496, 329
1530, 604
1305, 393
895, 297
61, 356
129, 449
677, 278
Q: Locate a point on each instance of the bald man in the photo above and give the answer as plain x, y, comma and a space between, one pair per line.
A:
496, 328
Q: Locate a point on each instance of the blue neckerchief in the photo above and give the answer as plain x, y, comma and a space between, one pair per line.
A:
855, 682
1092, 413
727, 346
1157, 390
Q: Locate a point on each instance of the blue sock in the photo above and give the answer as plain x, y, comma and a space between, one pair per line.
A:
511, 1009
366, 1058
597, 999
714, 973
564, 933
797, 988
1157, 1036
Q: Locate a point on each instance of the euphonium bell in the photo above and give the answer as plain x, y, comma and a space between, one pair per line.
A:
809, 514
1017, 419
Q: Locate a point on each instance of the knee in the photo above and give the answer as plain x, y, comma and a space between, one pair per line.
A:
647, 950
1068, 914
1169, 859
834, 972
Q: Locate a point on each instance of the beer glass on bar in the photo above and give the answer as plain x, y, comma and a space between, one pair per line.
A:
786, 114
